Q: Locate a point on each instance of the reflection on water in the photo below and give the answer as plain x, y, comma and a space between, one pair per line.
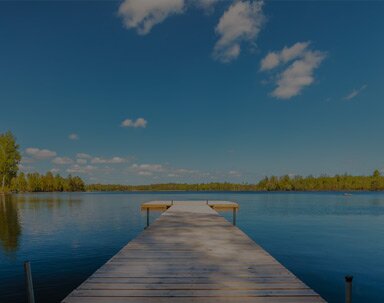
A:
10, 229
46, 201
10, 205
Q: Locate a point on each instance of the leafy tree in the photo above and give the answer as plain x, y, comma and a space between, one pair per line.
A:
58, 183
48, 182
376, 174
19, 183
34, 182
9, 159
77, 184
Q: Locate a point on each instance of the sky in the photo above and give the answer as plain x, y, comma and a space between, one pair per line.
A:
143, 91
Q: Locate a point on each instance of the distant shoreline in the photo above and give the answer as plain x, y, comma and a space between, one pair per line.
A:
36, 182
346, 191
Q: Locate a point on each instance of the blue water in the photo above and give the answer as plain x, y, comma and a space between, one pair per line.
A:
320, 237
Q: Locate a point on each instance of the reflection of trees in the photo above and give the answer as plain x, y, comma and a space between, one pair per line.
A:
46, 201
10, 229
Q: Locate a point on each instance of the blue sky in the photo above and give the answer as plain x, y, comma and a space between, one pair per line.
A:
184, 91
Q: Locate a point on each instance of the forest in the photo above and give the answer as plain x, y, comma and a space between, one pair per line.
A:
345, 182
35, 182
14, 181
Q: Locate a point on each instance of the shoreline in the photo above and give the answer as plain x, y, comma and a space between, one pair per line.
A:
346, 191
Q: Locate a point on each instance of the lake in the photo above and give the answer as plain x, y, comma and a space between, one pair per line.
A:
320, 237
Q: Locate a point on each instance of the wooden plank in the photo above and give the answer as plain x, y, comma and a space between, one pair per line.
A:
191, 254
185, 280
308, 299
215, 204
188, 286
191, 293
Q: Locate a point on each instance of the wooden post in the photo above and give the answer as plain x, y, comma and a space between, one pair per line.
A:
207, 202
348, 289
234, 216
28, 282
147, 217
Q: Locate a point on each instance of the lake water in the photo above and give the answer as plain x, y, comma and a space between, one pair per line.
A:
320, 237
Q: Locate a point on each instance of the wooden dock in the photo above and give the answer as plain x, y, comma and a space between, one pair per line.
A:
192, 254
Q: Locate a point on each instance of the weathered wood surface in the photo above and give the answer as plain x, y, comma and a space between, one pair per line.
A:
215, 204
192, 254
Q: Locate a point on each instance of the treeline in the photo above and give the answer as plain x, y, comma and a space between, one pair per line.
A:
345, 182
11, 181
225, 186
36, 182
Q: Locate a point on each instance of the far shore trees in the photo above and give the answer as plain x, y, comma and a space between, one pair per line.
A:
345, 182
11, 180
35, 182
9, 159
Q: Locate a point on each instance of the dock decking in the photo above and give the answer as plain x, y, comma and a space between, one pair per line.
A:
192, 254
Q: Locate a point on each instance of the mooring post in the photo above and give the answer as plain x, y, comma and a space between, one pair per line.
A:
348, 289
234, 216
28, 282
207, 202
147, 217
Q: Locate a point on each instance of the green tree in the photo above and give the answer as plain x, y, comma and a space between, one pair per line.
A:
58, 183
375, 182
19, 183
34, 182
76, 184
48, 182
9, 158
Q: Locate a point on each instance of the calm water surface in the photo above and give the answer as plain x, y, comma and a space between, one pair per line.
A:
320, 237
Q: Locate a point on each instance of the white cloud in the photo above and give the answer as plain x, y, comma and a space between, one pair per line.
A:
54, 170
234, 173
73, 136
78, 169
299, 74
156, 170
140, 122
40, 154
92, 170
270, 61
206, 5
274, 59
293, 52
62, 161
144, 14
81, 161
113, 160
98, 160
241, 22
147, 169
27, 160
355, 92
25, 168
145, 173
83, 156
